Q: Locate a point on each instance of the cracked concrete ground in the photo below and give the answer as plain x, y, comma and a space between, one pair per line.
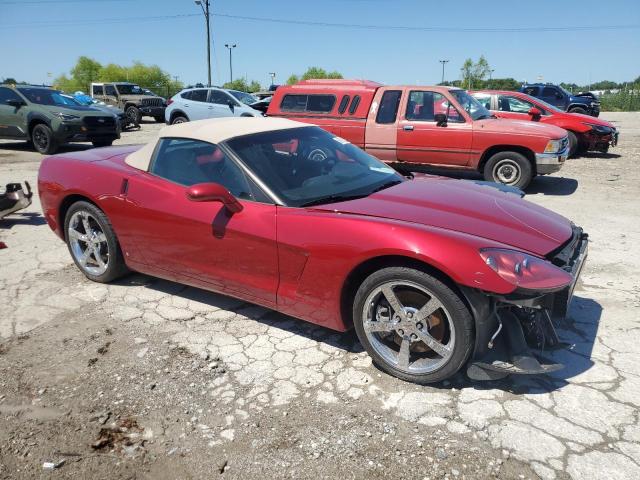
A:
581, 422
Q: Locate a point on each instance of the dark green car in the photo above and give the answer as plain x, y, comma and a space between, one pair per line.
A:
47, 119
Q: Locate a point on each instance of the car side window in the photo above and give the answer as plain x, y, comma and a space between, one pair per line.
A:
484, 99
8, 94
198, 95
186, 95
423, 106
308, 103
354, 104
98, 90
110, 90
551, 92
343, 104
188, 162
507, 103
218, 97
388, 109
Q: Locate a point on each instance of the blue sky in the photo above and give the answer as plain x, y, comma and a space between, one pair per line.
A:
49, 35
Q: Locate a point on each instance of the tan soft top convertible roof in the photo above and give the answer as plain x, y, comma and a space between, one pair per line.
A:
213, 131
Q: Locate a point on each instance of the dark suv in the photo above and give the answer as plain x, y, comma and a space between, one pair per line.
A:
586, 103
46, 118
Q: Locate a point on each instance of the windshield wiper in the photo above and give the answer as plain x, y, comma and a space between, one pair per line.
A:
333, 199
384, 186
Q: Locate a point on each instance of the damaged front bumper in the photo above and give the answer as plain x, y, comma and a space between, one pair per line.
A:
14, 198
521, 326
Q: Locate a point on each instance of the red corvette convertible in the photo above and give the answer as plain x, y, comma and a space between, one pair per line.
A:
434, 274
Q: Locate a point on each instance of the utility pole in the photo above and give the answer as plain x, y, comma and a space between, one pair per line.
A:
443, 63
491, 76
204, 5
230, 47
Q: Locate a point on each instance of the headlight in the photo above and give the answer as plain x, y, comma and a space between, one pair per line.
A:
66, 116
599, 128
525, 271
553, 146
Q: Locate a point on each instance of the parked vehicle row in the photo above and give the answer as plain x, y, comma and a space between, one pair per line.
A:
47, 118
585, 132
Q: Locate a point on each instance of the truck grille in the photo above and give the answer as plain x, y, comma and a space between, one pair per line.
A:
99, 122
152, 102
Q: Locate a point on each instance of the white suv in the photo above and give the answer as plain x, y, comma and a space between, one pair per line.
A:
202, 103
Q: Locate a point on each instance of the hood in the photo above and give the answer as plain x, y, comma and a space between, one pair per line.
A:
137, 98
80, 110
590, 95
462, 206
519, 127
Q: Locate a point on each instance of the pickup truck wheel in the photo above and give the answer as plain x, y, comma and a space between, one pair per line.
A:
93, 244
509, 168
573, 143
413, 325
179, 119
134, 114
578, 110
42, 139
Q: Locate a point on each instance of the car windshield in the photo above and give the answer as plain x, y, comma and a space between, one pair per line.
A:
126, 89
46, 96
470, 104
309, 166
69, 100
245, 98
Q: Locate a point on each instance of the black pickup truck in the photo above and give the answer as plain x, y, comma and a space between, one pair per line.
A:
586, 103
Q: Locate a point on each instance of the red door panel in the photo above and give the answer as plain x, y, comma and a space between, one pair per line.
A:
231, 252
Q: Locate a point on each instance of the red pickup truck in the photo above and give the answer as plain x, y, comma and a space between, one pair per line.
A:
413, 125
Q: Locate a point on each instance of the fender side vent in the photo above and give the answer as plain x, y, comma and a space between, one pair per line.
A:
125, 186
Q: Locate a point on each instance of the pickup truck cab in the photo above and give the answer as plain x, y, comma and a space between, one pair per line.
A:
585, 103
414, 126
585, 133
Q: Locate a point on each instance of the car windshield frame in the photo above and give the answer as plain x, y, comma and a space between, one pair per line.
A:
122, 87
462, 96
367, 176
242, 96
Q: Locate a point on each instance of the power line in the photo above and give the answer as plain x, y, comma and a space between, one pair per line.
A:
323, 24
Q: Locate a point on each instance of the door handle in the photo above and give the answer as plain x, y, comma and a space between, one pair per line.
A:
408, 128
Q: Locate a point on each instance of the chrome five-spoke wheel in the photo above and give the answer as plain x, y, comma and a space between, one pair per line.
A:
413, 324
409, 327
88, 243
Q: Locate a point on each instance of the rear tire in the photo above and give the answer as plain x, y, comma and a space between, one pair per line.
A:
93, 244
509, 168
179, 119
434, 336
579, 110
42, 139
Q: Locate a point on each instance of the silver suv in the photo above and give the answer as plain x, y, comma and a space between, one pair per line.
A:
201, 103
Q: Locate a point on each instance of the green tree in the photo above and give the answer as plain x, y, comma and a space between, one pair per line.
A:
313, 73
9, 81
86, 70
242, 85
473, 73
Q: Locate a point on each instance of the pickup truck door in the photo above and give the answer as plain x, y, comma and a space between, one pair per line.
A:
421, 140
382, 124
555, 97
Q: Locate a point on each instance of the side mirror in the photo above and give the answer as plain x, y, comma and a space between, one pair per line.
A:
232, 105
534, 112
15, 103
214, 192
441, 119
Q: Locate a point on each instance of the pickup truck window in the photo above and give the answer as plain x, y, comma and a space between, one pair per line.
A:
354, 104
533, 91
551, 92
110, 90
308, 103
423, 105
508, 103
343, 104
388, 106
470, 105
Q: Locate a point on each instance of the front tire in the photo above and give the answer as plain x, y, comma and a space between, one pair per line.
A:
509, 168
579, 110
93, 244
134, 114
179, 119
42, 139
412, 325
573, 143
